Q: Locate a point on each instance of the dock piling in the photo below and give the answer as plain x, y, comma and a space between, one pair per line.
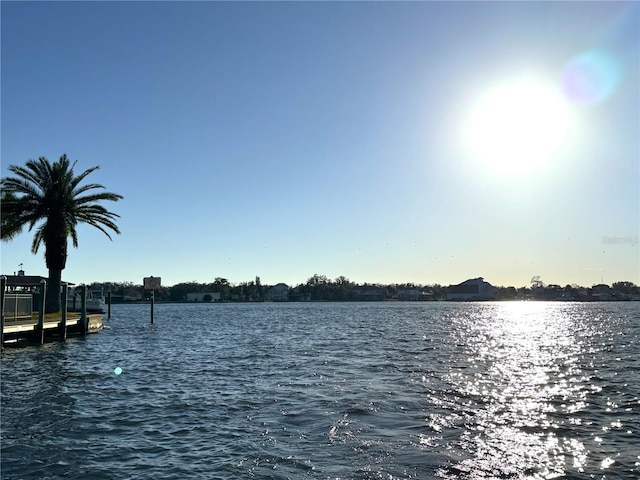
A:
63, 321
84, 321
153, 299
109, 305
43, 298
3, 285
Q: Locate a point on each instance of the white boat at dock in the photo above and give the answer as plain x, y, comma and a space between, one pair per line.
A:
95, 301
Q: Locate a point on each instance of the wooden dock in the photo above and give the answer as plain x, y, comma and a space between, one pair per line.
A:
24, 325
27, 328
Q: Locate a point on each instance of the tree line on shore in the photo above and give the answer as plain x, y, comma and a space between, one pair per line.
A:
52, 198
321, 288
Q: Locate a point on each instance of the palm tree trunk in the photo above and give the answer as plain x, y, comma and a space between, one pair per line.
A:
56, 259
53, 291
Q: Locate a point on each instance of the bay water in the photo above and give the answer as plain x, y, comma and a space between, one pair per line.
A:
389, 390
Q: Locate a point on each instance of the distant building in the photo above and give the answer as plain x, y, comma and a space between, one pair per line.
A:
203, 297
24, 282
279, 293
473, 289
413, 295
367, 293
602, 293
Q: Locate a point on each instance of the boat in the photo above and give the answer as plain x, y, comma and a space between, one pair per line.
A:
95, 301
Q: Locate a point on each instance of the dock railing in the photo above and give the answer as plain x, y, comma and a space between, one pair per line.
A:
17, 305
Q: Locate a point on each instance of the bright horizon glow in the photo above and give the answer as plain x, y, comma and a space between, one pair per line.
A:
517, 127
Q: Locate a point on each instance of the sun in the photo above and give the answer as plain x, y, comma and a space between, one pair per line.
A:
517, 127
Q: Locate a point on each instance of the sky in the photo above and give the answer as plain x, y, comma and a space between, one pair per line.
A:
387, 142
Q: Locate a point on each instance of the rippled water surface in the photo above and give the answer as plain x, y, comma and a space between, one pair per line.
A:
332, 391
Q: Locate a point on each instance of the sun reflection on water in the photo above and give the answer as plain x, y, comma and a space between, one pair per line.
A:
525, 395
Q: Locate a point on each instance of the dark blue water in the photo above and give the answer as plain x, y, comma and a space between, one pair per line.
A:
332, 391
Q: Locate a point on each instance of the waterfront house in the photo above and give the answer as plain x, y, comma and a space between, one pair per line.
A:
279, 293
203, 297
602, 293
367, 293
473, 289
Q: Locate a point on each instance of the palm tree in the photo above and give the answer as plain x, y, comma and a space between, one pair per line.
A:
52, 194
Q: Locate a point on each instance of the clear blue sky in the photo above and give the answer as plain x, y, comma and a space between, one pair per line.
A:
287, 139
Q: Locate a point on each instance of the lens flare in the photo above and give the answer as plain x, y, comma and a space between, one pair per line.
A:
117, 370
591, 77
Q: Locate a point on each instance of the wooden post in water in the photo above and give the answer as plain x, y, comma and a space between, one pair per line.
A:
153, 298
43, 298
83, 311
109, 305
63, 321
3, 285
151, 283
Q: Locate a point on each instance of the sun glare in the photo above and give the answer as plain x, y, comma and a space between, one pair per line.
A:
517, 127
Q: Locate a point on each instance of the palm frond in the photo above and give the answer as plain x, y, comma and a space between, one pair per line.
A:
38, 238
82, 176
51, 193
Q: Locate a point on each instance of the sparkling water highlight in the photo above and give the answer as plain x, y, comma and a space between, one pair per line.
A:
432, 390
